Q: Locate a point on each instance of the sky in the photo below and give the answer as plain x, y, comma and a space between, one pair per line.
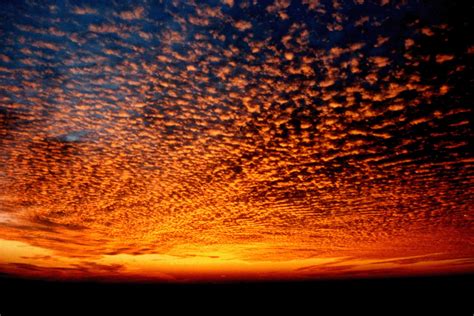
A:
225, 140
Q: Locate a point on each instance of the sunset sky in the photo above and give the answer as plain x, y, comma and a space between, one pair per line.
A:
236, 140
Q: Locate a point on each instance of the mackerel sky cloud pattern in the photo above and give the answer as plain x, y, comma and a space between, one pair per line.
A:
185, 140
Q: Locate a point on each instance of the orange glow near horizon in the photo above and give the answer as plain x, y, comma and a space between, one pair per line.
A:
184, 142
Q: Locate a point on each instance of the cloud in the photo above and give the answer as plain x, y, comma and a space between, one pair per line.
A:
230, 3
135, 14
242, 25
238, 126
442, 58
83, 10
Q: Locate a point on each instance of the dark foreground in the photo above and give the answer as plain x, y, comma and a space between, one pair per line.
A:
448, 295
